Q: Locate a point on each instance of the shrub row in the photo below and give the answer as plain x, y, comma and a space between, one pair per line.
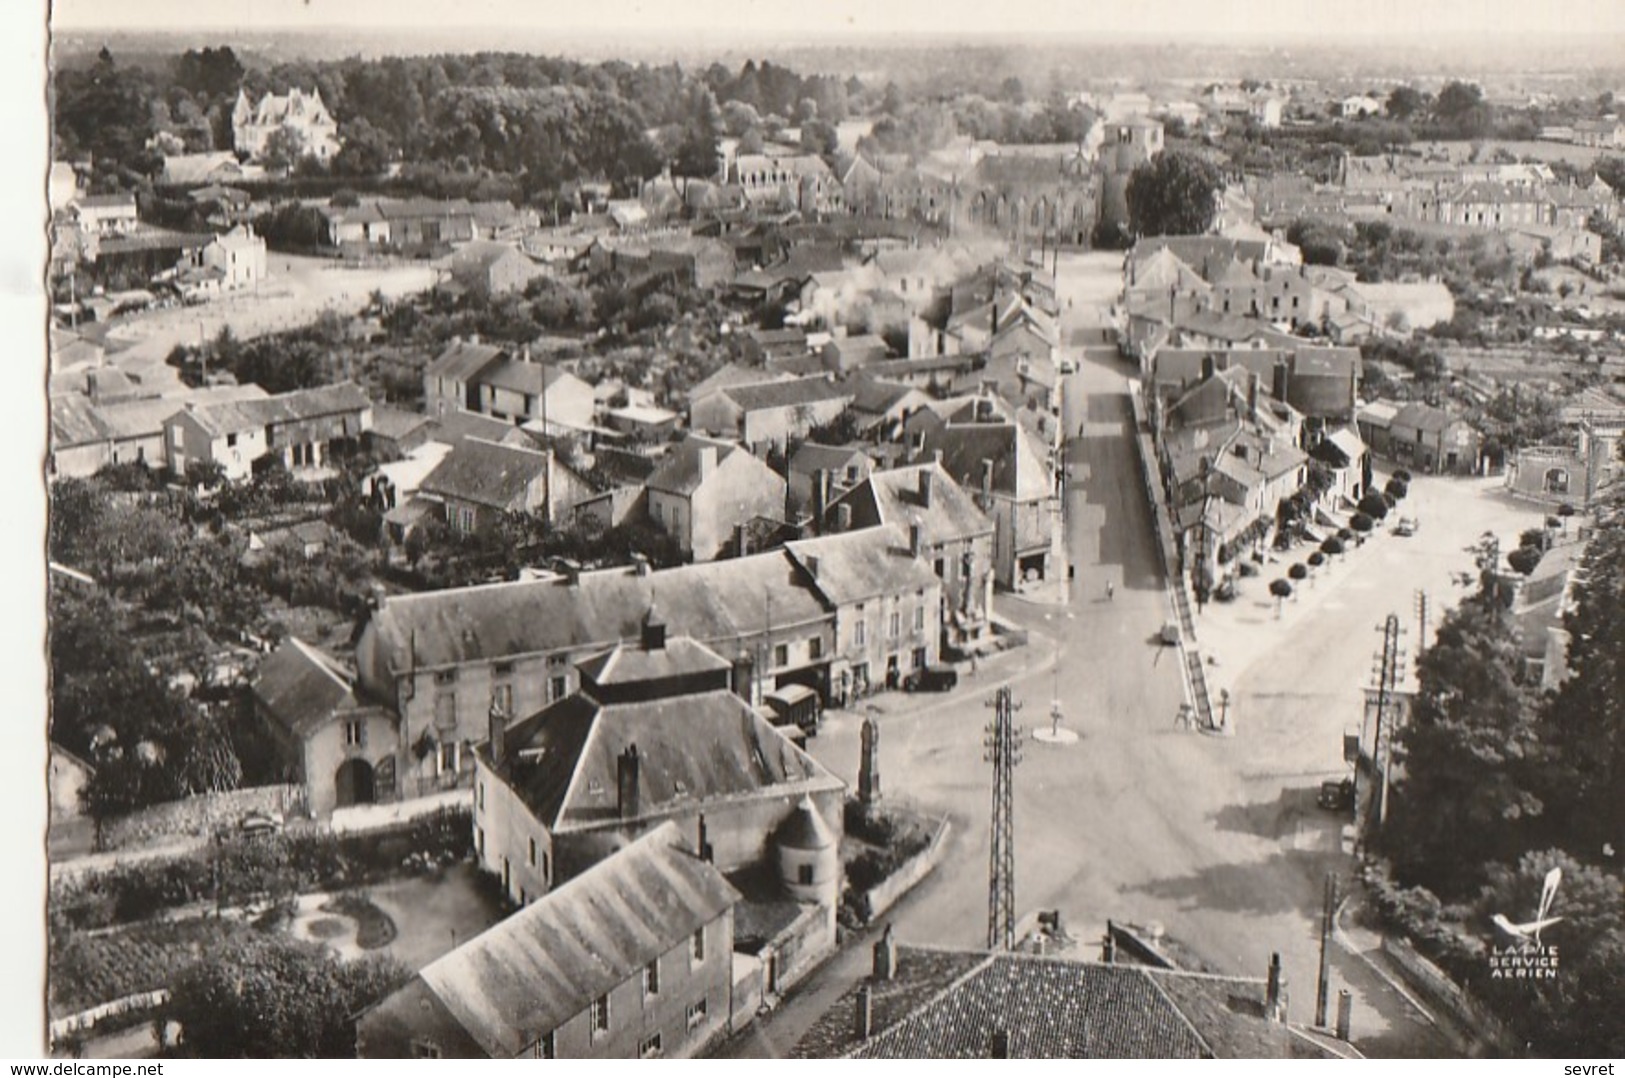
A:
243, 868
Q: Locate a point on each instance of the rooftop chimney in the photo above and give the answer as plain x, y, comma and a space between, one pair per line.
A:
1279, 382
915, 541
654, 629
498, 720
640, 563
739, 679
1252, 396
863, 1023
987, 478
742, 538
1108, 945
998, 1045
704, 841
885, 952
1274, 1001
708, 461
1207, 366
924, 487
843, 517
627, 767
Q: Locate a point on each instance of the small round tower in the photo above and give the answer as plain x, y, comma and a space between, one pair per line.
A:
809, 856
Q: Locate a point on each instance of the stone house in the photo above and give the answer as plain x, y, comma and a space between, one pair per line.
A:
706, 492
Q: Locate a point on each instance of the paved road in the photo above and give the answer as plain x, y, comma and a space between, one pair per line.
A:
1216, 839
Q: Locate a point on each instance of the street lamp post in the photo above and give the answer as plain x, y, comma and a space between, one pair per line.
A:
1224, 708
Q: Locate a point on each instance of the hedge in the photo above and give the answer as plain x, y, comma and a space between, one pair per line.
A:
245, 868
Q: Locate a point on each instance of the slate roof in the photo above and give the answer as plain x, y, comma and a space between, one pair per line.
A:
852, 567
300, 404
1019, 467
694, 748
679, 473
812, 457
951, 517
712, 602
397, 423
1424, 417
302, 688
732, 374
486, 473
679, 657
520, 376
462, 360
1051, 1009
453, 427
74, 418
763, 396
877, 398
546, 963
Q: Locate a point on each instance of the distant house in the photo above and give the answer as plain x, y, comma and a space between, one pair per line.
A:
821, 473
888, 604
482, 378
631, 959
847, 354
1433, 441
312, 129
880, 408
336, 747
706, 492
201, 169
88, 434
802, 182
237, 256
300, 428
1359, 106
106, 215
420, 226
397, 432
769, 414
478, 482
1007, 472
488, 268
1348, 460
956, 539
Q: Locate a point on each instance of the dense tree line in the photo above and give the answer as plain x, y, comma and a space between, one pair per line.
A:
545, 120
1503, 781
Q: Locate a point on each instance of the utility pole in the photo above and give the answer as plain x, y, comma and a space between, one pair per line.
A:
1421, 621
1328, 916
1001, 743
1388, 674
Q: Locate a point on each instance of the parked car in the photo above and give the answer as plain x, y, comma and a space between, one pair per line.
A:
1068, 366
1406, 526
931, 679
1336, 795
260, 823
1171, 635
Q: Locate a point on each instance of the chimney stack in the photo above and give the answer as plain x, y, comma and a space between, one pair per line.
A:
915, 543
1252, 396
706, 853
998, 1046
1274, 1007
654, 629
1279, 382
1207, 366
1108, 945
626, 783
498, 721
843, 518
708, 461
924, 487
640, 563
864, 1020
1345, 1013
741, 676
987, 480
885, 956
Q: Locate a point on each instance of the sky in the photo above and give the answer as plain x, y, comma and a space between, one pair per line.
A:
856, 19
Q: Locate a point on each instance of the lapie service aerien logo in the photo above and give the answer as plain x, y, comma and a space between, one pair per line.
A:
1522, 955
